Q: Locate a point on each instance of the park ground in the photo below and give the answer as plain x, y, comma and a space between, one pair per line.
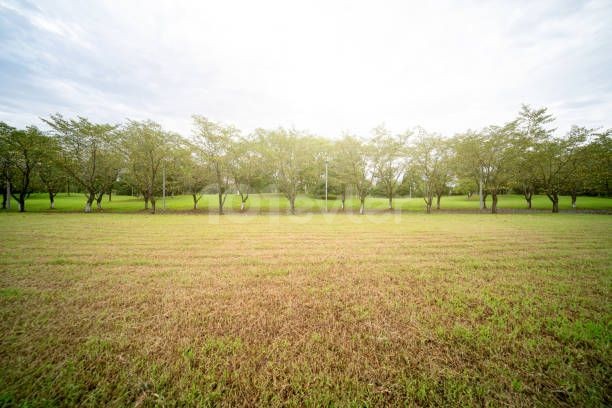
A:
266, 203
312, 310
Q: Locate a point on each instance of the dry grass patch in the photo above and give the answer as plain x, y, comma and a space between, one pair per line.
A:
310, 310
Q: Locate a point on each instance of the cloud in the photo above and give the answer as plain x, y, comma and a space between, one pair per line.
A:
322, 66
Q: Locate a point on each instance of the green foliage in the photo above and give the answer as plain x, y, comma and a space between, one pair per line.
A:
88, 153
524, 155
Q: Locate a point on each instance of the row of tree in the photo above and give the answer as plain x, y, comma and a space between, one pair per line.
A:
523, 155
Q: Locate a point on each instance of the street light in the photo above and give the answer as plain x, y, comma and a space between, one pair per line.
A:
164, 186
326, 161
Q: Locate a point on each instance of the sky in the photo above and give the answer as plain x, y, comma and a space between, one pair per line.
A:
327, 67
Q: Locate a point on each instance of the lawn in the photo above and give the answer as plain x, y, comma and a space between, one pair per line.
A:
275, 203
311, 310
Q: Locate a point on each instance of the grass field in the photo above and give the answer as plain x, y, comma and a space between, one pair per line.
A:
275, 203
446, 309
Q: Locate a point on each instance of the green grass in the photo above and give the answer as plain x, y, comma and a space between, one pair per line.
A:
311, 310
274, 202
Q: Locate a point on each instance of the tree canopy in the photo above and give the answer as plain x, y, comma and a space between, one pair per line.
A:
526, 155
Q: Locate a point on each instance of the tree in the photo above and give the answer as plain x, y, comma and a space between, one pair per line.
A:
388, 154
246, 168
498, 152
86, 153
147, 149
24, 150
338, 182
467, 163
109, 168
50, 175
354, 166
293, 160
214, 140
5, 164
194, 174
429, 157
555, 161
444, 174
523, 172
596, 163
532, 125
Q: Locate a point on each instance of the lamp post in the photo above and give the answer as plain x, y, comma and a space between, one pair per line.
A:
326, 161
164, 186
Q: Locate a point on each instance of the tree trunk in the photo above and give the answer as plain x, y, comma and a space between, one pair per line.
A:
528, 195
554, 197
428, 203
90, 200
438, 198
195, 201
153, 205
292, 205
99, 201
22, 198
110, 195
484, 200
469, 195
243, 199
146, 200
343, 199
52, 199
390, 201
8, 195
220, 202
4, 198
574, 197
481, 200
494, 202
362, 206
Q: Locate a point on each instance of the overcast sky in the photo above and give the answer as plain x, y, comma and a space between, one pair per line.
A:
326, 67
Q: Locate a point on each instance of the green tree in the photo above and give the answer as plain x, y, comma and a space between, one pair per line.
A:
294, 160
555, 160
532, 124
467, 163
429, 158
148, 148
194, 173
51, 177
215, 140
24, 151
246, 168
5, 164
354, 166
578, 173
389, 158
498, 152
597, 163
87, 153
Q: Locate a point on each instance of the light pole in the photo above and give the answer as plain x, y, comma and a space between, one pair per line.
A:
326, 184
164, 186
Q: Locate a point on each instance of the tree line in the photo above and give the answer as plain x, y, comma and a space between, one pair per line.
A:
523, 155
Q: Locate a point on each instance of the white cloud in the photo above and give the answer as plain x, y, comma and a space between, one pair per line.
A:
322, 66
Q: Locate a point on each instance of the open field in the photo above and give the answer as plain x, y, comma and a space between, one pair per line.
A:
274, 203
446, 309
